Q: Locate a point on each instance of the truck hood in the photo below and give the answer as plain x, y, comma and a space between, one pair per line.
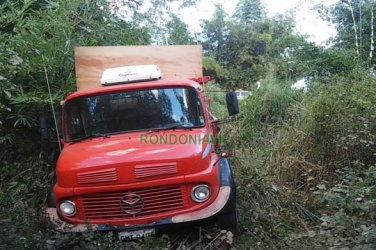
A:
133, 157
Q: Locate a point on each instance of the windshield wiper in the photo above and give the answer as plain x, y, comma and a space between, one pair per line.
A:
173, 126
89, 137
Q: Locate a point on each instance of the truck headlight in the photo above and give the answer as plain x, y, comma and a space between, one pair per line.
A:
200, 193
68, 208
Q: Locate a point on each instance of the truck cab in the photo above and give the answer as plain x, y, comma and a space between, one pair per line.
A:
139, 155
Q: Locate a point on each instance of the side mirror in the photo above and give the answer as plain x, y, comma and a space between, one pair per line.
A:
44, 129
232, 103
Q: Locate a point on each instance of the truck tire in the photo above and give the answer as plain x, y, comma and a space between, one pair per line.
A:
228, 221
50, 201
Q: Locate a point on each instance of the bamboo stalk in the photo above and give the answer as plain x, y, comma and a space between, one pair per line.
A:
354, 27
372, 34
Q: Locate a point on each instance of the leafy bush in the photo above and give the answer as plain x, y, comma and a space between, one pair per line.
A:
39, 36
350, 206
266, 107
343, 120
217, 99
216, 72
333, 126
301, 164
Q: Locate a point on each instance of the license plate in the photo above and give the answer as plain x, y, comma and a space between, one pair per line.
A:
134, 235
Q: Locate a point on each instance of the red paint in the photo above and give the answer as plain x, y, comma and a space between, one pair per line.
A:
96, 173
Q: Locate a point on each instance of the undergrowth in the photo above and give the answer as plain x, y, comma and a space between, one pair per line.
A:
294, 152
348, 209
304, 164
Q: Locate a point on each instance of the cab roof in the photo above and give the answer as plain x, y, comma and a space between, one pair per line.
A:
137, 85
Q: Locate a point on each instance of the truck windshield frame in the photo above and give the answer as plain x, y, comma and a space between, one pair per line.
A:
132, 110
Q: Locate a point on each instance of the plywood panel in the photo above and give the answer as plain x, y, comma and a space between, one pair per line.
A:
180, 61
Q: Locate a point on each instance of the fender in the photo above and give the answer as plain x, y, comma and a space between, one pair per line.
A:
226, 172
227, 180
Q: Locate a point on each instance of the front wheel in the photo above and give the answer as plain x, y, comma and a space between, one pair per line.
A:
228, 221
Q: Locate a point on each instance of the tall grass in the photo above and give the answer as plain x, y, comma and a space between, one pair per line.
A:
266, 108
334, 126
217, 99
268, 216
295, 157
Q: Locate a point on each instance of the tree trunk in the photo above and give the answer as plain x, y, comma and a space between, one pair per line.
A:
360, 27
372, 35
354, 27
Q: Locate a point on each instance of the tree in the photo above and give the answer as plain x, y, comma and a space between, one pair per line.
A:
353, 21
257, 46
178, 33
153, 14
247, 48
215, 71
37, 37
372, 47
354, 27
215, 35
249, 11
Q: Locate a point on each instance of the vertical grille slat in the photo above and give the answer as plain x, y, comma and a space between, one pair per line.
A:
156, 200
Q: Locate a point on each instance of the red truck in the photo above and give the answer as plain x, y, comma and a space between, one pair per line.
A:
140, 153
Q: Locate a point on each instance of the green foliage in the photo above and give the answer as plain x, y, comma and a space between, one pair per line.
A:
39, 36
215, 71
215, 34
247, 49
330, 128
178, 32
269, 216
295, 58
252, 48
248, 11
267, 106
332, 62
304, 162
217, 98
342, 119
153, 14
341, 16
352, 206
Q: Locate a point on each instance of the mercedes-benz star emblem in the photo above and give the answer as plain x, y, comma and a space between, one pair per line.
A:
131, 203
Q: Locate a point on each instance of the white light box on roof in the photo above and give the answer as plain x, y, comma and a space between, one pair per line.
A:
129, 74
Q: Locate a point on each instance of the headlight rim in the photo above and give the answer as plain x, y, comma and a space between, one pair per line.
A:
73, 205
193, 196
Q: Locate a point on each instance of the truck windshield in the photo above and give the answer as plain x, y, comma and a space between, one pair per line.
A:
133, 110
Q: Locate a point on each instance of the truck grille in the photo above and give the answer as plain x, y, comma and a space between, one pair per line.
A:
147, 202
144, 171
97, 177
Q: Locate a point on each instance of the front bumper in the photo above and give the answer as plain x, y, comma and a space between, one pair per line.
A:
210, 211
